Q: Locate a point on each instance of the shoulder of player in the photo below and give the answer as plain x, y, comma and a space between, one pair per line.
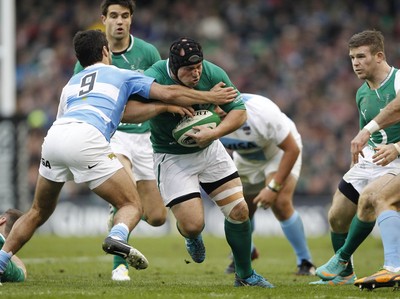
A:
260, 104
210, 66
213, 74
140, 43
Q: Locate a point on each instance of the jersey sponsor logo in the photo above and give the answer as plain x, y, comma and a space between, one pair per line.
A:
239, 145
246, 129
46, 163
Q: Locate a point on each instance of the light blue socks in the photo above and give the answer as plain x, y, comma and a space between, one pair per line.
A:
389, 223
294, 232
119, 231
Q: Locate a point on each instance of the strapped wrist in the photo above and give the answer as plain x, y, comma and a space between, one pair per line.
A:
372, 127
397, 148
274, 186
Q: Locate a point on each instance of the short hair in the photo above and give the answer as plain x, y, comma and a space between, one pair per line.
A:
371, 38
125, 3
12, 215
89, 45
184, 51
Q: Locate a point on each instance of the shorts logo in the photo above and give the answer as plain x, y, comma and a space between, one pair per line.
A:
112, 156
91, 166
46, 163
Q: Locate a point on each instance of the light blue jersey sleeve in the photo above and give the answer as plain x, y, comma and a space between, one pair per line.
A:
98, 95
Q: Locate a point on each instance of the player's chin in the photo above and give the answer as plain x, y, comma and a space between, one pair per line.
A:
361, 76
192, 84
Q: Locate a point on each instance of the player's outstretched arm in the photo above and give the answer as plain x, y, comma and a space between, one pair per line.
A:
138, 112
390, 115
184, 96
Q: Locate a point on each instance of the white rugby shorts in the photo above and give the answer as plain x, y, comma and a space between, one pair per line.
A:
365, 171
79, 152
137, 148
254, 172
178, 175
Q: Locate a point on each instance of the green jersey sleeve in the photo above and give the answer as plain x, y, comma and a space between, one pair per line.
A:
13, 273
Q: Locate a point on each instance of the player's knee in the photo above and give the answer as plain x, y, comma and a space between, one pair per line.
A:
336, 221
191, 228
237, 211
369, 202
282, 209
156, 219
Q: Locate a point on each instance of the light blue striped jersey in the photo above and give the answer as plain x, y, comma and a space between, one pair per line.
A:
98, 94
266, 127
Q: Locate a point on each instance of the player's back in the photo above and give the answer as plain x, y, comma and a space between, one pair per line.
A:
97, 95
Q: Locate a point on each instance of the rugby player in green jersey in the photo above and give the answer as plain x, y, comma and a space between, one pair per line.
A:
378, 160
16, 270
379, 201
182, 170
131, 142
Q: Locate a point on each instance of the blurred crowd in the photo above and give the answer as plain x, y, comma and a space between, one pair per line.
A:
294, 52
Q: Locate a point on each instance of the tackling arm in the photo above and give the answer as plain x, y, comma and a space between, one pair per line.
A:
181, 95
137, 112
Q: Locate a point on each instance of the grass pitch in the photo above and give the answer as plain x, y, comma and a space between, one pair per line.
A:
78, 268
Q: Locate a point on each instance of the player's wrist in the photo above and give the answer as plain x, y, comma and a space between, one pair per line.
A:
372, 127
397, 147
274, 186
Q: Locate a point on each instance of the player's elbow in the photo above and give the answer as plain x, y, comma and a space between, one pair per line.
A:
241, 117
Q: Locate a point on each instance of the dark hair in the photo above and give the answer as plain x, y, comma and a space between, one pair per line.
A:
125, 3
89, 45
184, 51
11, 215
372, 38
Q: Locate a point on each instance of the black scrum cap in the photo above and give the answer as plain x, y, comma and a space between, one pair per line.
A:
184, 51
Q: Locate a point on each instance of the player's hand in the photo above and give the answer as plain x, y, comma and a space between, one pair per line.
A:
203, 135
357, 144
384, 154
265, 199
220, 94
182, 111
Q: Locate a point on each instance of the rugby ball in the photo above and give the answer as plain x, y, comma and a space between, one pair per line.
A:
200, 118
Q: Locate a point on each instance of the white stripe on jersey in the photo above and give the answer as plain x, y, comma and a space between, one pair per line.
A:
89, 107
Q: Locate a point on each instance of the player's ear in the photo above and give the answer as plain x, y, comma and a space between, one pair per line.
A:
3, 220
106, 51
380, 56
103, 19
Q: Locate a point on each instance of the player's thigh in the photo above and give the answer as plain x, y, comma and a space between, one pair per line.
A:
118, 190
153, 205
380, 195
341, 212
127, 165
